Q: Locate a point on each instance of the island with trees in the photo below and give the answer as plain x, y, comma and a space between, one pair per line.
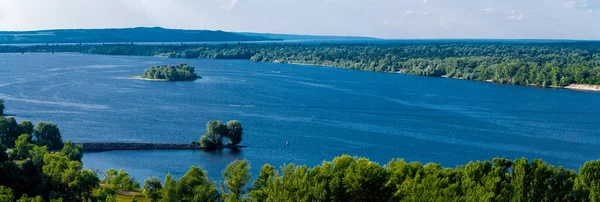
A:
178, 72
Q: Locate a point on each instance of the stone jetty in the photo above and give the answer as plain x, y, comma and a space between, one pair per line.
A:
111, 146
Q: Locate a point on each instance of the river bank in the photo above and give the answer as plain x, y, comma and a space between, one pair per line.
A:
578, 87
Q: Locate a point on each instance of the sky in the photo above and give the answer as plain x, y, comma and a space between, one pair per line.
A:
392, 19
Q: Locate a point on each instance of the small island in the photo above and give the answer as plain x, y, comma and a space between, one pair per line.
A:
179, 72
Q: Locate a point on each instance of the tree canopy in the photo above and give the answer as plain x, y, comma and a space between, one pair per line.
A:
48, 134
217, 131
179, 72
1, 107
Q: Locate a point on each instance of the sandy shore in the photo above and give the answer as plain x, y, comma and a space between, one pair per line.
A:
583, 87
145, 79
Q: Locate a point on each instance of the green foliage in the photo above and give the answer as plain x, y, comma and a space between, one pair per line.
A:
587, 183
236, 175
169, 190
6, 194
10, 130
540, 64
152, 189
2, 107
22, 148
111, 198
66, 179
216, 131
3, 154
258, 191
195, 186
234, 132
73, 151
37, 155
26, 198
119, 180
47, 134
179, 72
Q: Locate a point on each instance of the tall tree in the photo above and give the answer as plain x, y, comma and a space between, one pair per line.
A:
236, 175
1, 107
152, 189
73, 151
22, 148
235, 132
48, 134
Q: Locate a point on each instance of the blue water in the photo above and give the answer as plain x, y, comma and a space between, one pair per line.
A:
322, 112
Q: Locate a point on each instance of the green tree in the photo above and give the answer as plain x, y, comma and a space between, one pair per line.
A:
235, 132
73, 151
258, 192
6, 194
587, 183
22, 148
111, 198
169, 191
37, 155
236, 175
1, 107
26, 198
152, 189
365, 181
48, 134
3, 154
12, 131
215, 132
26, 127
66, 179
119, 180
195, 186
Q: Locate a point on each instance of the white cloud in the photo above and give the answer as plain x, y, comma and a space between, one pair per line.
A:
570, 4
488, 10
416, 13
229, 4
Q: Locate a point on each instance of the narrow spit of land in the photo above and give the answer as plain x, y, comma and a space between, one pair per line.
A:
113, 146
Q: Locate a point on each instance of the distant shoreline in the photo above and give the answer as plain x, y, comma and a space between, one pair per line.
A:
577, 87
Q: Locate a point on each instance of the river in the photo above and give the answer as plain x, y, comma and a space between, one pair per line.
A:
322, 112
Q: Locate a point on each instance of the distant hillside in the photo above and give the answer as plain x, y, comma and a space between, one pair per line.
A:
306, 37
140, 34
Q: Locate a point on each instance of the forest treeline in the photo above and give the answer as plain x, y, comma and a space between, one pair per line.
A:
59, 176
537, 64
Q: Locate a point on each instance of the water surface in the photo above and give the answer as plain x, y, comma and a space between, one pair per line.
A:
322, 112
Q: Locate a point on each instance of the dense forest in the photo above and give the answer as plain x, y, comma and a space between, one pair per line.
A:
542, 64
58, 176
179, 72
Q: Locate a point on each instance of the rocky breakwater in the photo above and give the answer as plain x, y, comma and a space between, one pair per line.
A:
111, 146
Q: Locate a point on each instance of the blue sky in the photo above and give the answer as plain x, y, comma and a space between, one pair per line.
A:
398, 19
